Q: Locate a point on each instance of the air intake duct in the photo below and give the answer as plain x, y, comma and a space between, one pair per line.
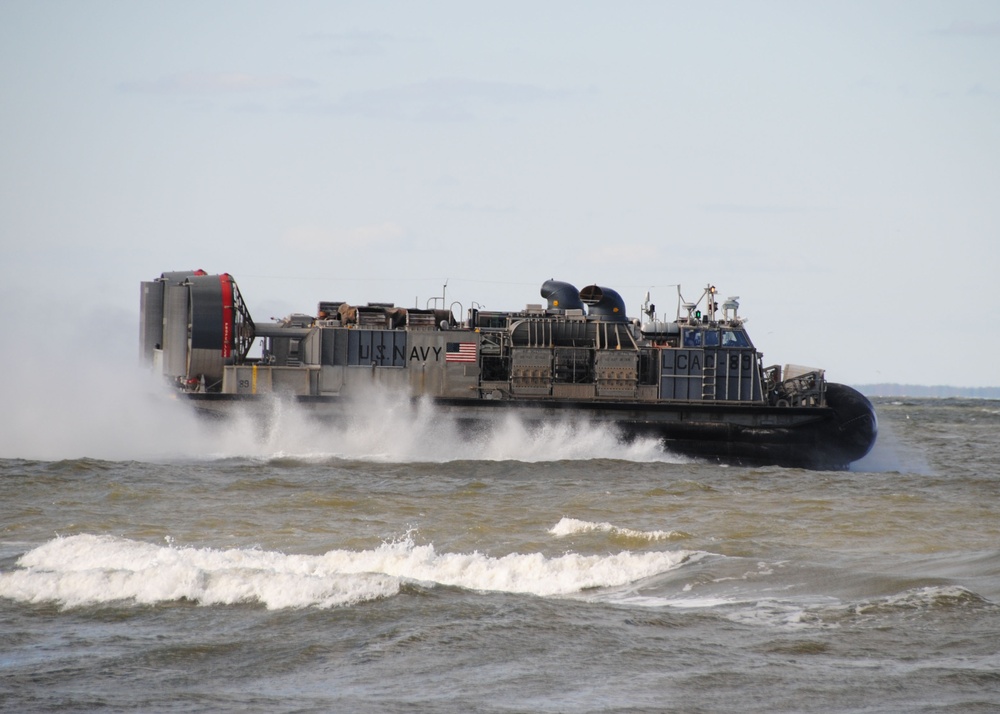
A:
605, 304
561, 296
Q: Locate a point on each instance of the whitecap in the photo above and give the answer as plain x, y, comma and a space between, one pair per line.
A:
572, 526
86, 569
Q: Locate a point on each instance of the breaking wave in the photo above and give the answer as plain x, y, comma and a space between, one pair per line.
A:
89, 570
572, 526
761, 608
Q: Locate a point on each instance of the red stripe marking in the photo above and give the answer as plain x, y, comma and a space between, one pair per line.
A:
226, 282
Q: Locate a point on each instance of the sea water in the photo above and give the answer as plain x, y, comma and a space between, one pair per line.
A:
154, 561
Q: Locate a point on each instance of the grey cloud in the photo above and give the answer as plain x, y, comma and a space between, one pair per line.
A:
472, 208
352, 44
762, 209
449, 99
969, 28
214, 83
980, 90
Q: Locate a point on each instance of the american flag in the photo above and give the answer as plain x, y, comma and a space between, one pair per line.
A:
460, 352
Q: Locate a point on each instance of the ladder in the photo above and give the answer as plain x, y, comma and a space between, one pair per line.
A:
708, 377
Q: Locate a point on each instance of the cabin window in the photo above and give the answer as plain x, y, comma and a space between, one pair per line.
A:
692, 338
711, 338
735, 338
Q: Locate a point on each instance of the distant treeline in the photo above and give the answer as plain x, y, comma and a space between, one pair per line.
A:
920, 390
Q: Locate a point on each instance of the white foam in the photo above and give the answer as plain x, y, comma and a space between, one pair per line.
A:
572, 526
754, 611
920, 599
380, 425
93, 570
681, 603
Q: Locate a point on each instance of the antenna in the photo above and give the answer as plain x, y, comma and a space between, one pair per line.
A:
442, 298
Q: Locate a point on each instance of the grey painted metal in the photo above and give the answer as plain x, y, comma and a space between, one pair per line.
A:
150, 318
603, 303
175, 330
378, 348
561, 296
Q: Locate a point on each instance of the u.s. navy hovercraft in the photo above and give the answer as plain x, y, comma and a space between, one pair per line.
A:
695, 382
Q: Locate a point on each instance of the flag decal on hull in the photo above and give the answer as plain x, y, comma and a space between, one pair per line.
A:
460, 352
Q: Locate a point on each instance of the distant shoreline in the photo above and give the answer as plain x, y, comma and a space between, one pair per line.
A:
920, 390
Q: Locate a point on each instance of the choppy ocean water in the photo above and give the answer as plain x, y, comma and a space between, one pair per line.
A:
150, 561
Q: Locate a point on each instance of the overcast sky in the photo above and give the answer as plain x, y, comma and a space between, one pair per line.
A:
835, 164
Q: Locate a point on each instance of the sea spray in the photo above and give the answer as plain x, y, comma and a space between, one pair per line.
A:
377, 424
